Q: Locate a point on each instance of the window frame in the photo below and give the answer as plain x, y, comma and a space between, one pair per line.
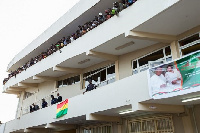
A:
146, 66
66, 79
189, 44
102, 69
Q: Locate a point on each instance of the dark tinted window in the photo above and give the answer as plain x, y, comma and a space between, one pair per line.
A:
152, 57
189, 40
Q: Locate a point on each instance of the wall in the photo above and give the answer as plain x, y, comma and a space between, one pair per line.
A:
70, 91
125, 61
178, 124
2, 127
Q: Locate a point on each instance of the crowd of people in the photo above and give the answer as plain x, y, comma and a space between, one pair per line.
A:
82, 29
54, 100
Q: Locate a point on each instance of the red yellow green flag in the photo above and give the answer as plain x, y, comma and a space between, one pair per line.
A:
62, 108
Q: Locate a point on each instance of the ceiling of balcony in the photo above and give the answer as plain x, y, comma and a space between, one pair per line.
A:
75, 61
110, 46
179, 18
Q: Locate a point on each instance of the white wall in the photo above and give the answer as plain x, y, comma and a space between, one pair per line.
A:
2, 127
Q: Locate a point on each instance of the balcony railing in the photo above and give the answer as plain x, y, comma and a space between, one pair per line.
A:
26, 109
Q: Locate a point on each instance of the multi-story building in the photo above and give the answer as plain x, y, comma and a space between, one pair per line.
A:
116, 55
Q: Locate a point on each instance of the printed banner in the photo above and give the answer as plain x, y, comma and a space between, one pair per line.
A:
175, 78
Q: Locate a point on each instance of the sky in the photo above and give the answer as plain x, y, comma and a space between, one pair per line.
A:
21, 21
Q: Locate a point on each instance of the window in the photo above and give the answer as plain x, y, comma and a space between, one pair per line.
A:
68, 81
27, 95
155, 124
155, 58
97, 129
101, 77
190, 44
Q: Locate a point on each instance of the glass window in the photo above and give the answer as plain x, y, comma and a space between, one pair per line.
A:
77, 79
103, 75
69, 81
191, 49
111, 72
100, 77
27, 95
168, 51
189, 40
135, 64
65, 82
60, 83
190, 44
156, 58
152, 57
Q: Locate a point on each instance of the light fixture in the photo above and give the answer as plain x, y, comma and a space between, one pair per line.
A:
124, 46
152, 107
191, 99
126, 112
84, 61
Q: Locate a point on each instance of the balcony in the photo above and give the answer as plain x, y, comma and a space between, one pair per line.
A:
107, 100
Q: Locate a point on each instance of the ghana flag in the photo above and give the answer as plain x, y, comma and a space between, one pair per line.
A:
62, 108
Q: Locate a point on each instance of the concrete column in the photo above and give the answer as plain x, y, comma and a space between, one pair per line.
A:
119, 128
175, 50
81, 81
187, 124
117, 70
20, 105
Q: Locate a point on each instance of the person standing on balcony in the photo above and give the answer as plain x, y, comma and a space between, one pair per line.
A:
53, 100
44, 103
90, 86
59, 99
35, 107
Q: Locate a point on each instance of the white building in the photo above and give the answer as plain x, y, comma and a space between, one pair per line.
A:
115, 55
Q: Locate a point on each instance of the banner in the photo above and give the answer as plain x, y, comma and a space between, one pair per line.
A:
175, 78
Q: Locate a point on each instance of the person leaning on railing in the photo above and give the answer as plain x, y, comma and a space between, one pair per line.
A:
59, 99
90, 86
44, 103
53, 100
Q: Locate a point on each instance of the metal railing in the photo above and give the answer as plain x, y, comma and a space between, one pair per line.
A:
107, 128
26, 109
155, 124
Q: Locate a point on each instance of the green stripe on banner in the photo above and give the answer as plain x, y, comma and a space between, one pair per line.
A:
61, 113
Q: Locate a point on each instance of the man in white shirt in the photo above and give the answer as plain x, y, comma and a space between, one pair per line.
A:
173, 77
158, 81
